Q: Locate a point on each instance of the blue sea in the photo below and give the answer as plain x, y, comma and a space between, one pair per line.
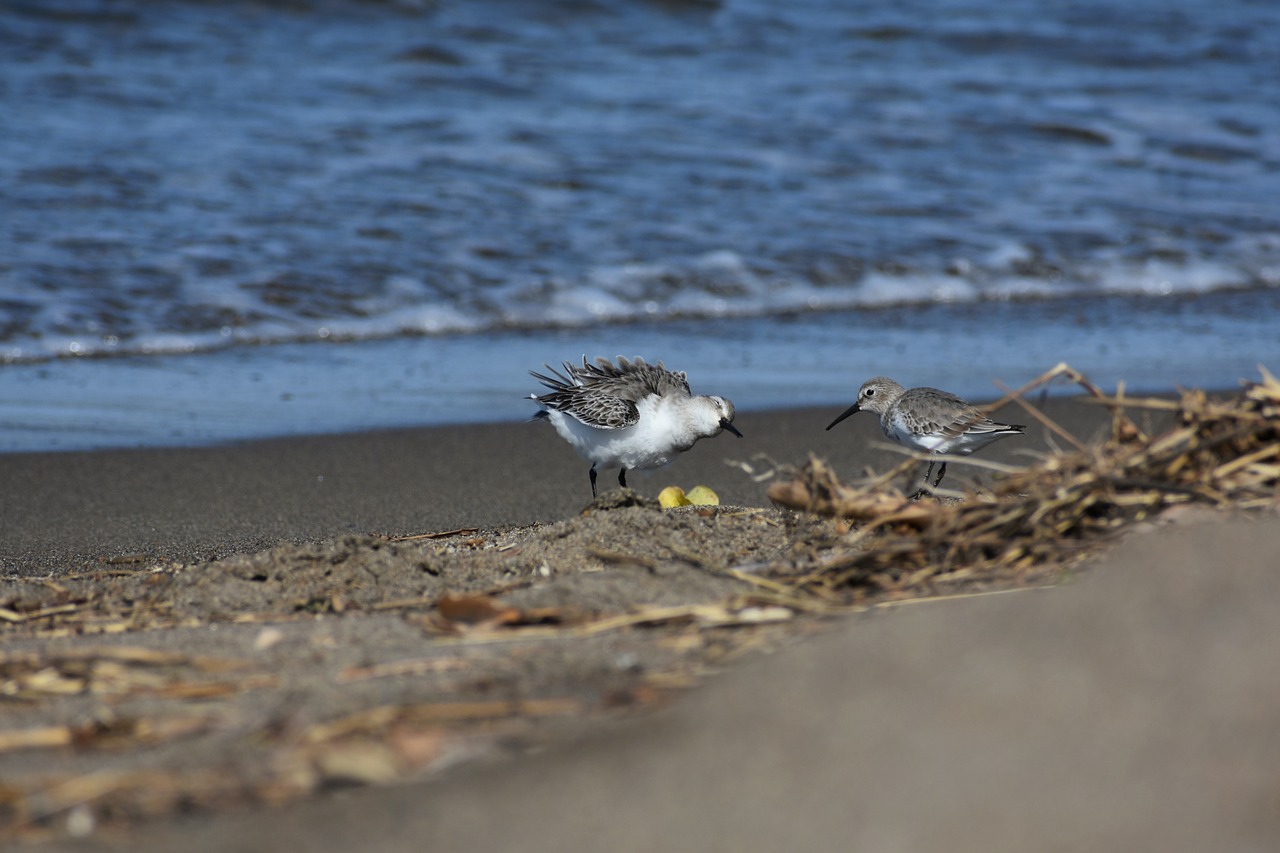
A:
224, 221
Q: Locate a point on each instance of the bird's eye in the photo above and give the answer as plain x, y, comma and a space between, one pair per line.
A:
870, 392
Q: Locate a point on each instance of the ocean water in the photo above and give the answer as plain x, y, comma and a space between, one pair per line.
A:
224, 221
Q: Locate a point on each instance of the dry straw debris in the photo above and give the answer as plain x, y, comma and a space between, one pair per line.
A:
1220, 452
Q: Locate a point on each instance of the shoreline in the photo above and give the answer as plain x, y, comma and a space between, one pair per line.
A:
82, 510
280, 391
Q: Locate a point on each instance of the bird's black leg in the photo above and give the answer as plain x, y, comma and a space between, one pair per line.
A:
622, 477
941, 473
592, 472
924, 485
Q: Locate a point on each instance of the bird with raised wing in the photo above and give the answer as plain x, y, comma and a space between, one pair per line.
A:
632, 415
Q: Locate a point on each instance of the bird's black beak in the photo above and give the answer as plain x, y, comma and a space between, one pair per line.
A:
849, 411
730, 427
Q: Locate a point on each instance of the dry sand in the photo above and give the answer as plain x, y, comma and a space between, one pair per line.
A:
1136, 708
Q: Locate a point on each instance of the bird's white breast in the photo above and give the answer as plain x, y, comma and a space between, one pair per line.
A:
651, 443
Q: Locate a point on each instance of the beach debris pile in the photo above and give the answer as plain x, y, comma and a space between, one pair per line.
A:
1223, 453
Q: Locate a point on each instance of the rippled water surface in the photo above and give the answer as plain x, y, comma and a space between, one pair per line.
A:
191, 176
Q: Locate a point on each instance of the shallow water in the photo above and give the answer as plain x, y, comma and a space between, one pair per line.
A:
726, 180
760, 363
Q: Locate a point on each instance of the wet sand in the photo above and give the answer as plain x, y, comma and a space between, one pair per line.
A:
71, 511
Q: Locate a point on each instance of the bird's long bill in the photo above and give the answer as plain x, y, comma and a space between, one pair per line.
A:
731, 428
849, 411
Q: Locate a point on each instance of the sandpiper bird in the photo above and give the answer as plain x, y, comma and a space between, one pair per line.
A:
928, 419
634, 415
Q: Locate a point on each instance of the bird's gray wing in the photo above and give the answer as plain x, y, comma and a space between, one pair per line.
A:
966, 419
588, 404
632, 379
603, 411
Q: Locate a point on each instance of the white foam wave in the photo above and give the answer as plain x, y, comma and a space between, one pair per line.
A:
716, 284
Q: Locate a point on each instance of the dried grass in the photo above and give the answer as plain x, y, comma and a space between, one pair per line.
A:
1221, 453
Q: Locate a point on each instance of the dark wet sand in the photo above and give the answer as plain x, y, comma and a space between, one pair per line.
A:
1137, 708
69, 511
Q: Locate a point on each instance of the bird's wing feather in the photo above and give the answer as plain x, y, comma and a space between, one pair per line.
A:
630, 379
980, 424
583, 401
963, 418
603, 411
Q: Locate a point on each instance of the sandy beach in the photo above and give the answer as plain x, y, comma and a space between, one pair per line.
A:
73, 511
312, 686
